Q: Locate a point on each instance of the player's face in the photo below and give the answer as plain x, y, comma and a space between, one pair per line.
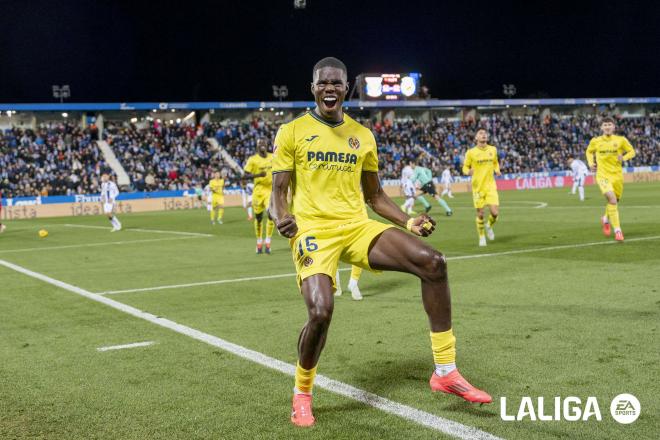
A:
482, 136
329, 89
608, 128
216, 175
104, 178
262, 146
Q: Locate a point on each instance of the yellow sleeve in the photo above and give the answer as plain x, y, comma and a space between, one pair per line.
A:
468, 163
249, 166
629, 150
284, 150
496, 162
371, 158
591, 149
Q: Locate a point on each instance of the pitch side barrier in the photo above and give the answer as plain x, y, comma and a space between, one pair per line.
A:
127, 202
255, 105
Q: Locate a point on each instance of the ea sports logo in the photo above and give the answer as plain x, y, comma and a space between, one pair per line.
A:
625, 408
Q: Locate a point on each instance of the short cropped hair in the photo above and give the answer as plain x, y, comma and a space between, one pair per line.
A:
329, 62
607, 119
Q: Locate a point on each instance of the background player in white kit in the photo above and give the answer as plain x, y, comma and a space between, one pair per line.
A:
109, 193
446, 179
410, 193
246, 192
207, 197
580, 172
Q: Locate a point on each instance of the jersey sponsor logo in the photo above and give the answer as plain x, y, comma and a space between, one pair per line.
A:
331, 161
354, 143
312, 137
308, 261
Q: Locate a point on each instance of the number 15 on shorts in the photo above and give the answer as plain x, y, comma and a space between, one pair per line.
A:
309, 244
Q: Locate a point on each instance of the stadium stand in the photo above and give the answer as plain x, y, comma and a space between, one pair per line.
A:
61, 158
58, 158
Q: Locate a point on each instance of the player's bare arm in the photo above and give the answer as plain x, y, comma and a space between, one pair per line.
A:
279, 208
386, 208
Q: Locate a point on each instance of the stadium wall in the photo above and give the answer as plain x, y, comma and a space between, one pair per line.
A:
90, 204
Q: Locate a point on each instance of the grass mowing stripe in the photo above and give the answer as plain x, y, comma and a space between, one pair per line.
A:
105, 243
121, 347
154, 231
420, 417
456, 258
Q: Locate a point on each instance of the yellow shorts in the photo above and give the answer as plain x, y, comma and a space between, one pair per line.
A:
488, 197
217, 200
260, 200
319, 249
607, 184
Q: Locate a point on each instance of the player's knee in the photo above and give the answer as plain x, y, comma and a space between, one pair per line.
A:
320, 315
435, 267
259, 216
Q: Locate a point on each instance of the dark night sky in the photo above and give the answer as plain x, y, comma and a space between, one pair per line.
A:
234, 50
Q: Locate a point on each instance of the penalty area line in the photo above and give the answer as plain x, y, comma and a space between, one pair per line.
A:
455, 258
104, 243
406, 412
153, 231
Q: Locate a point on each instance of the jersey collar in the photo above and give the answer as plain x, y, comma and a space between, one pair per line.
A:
313, 114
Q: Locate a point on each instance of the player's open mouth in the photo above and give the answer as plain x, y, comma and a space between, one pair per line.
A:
330, 102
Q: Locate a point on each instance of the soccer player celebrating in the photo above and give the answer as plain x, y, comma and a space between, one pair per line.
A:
217, 187
109, 193
610, 150
258, 167
424, 178
480, 163
330, 160
579, 172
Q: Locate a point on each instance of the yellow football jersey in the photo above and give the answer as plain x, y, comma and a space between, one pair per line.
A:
484, 163
326, 161
607, 150
217, 186
257, 164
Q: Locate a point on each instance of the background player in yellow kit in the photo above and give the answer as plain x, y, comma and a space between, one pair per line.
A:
259, 167
480, 163
217, 188
329, 161
610, 150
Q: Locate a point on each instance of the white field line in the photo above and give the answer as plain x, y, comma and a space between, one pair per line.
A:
106, 243
154, 231
121, 347
456, 258
205, 283
414, 415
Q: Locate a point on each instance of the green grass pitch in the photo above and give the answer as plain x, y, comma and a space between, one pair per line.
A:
570, 321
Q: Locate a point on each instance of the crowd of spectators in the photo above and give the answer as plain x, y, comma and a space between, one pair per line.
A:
57, 158
61, 158
160, 156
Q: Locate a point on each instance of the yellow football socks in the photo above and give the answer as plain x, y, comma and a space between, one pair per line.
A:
356, 272
304, 379
270, 225
443, 345
221, 213
613, 215
212, 215
491, 220
480, 227
258, 228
